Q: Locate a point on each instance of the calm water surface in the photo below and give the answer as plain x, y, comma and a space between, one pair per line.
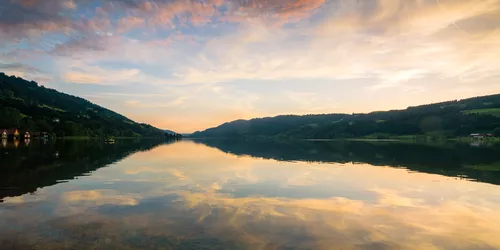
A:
219, 194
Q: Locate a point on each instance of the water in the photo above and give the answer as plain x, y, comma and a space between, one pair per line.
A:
219, 194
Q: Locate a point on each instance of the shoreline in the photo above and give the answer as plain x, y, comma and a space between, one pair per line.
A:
414, 138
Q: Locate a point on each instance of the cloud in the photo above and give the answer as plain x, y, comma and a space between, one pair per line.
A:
88, 45
406, 17
178, 174
84, 74
97, 197
21, 18
405, 213
273, 11
163, 104
69, 4
18, 67
24, 70
430, 227
226, 48
309, 102
388, 40
188, 12
78, 77
130, 22
392, 42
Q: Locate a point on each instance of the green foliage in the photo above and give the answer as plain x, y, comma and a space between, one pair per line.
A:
488, 111
496, 132
24, 104
8, 93
46, 106
440, 120
10, 117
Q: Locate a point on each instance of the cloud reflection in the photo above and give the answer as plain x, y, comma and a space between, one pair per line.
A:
184, 206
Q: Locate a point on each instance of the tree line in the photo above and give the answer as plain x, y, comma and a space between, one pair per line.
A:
455, 118
28, 106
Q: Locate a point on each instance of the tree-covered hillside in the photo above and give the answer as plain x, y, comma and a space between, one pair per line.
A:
26, 105
453, 118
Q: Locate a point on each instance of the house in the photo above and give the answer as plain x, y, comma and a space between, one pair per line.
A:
40, 135
480, 136
12, 133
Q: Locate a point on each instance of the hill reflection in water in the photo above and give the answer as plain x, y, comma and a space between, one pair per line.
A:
28, 165
476, 162
187, 195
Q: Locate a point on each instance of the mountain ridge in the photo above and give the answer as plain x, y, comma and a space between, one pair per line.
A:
449, 118
28, 106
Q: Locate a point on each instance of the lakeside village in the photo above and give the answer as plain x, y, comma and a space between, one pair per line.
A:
14, 136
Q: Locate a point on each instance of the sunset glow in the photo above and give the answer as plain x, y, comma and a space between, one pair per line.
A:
189, 65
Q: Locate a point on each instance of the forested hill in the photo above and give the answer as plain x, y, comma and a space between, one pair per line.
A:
453, 118
26, 105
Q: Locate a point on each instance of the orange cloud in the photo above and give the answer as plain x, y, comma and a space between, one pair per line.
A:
286, 10
70, 4
98, 197
77, 77
33, 18
129, 23
165, 14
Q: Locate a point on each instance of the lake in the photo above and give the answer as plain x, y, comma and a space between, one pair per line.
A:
249, 194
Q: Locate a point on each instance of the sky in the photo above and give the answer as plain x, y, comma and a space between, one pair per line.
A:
189, 65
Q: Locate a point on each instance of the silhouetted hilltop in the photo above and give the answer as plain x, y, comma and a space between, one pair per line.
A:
453, 118
27, 106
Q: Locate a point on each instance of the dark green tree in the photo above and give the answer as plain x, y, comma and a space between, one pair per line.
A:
8, 93
496, 132
10, 117
446, 119
47, 110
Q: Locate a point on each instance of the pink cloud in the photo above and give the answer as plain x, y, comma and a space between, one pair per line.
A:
101, 35
84, 78
129, 23
32, 19
86, 44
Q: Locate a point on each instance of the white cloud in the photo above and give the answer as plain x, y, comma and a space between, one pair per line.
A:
399, 42
177, 102
368, 49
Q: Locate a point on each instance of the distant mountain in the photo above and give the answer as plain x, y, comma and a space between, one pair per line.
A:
453, 118
28, 106
169, 132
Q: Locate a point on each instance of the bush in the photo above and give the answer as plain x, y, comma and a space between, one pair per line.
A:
496, 132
